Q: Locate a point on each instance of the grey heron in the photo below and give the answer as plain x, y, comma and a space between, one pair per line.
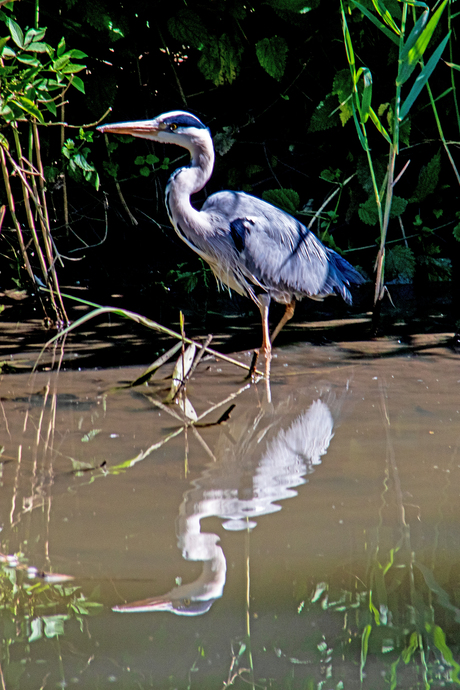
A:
271, 452
253, 247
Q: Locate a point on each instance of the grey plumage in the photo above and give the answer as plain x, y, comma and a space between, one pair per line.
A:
252, 247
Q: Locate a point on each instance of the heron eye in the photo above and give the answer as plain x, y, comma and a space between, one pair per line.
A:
173, 126
186, 602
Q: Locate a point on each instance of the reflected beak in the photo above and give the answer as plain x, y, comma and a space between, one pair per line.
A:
162, 603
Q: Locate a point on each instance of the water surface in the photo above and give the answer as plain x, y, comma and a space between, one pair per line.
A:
311, 540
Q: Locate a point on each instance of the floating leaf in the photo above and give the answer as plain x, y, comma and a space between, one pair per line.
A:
272, 55
90, 435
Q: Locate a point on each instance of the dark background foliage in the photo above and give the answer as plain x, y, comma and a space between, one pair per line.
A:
268, 79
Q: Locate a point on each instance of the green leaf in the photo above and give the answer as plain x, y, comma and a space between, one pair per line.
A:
348, 42
72, 68
343, 87
410, 43
287, 199
60, 62
422, 78
409, 650
368, 212
8, 52
144, 171
367, 93
418, 44
16, 32
220, 59
111, 168
428, 178
77, 54
28, 59
51, 105
455, 231
81, 162
78, 83
38, 47
364, 648
379, 125
3, 42
322, 117
34, 35
272, 55
151, 159
361, 137
400, 264
398, 206
29, 107
389, 34
415, 3
187, 27
386, 16
61, 47
439, 638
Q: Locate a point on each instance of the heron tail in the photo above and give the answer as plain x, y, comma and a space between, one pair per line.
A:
341, 275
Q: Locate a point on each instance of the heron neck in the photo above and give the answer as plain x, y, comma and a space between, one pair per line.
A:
187, 181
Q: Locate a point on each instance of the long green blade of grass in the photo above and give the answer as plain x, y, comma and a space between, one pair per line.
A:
388, 33
411, 56
422, 79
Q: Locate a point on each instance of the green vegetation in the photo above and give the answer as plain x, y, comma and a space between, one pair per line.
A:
361, 125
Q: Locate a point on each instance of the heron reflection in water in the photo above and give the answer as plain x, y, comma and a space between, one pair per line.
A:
254, 248
264, 466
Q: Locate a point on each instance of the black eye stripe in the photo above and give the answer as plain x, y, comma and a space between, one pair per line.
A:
184, 120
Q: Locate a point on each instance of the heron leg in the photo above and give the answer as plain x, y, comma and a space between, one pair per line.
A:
287, 316
264, 306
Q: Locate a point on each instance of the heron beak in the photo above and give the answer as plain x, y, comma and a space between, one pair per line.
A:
161, 603
145, 129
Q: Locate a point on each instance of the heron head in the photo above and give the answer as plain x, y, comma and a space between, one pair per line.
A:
176, 127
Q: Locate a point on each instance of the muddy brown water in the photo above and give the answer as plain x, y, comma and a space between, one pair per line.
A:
310, 541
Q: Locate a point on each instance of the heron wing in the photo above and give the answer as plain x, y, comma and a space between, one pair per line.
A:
277, 252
